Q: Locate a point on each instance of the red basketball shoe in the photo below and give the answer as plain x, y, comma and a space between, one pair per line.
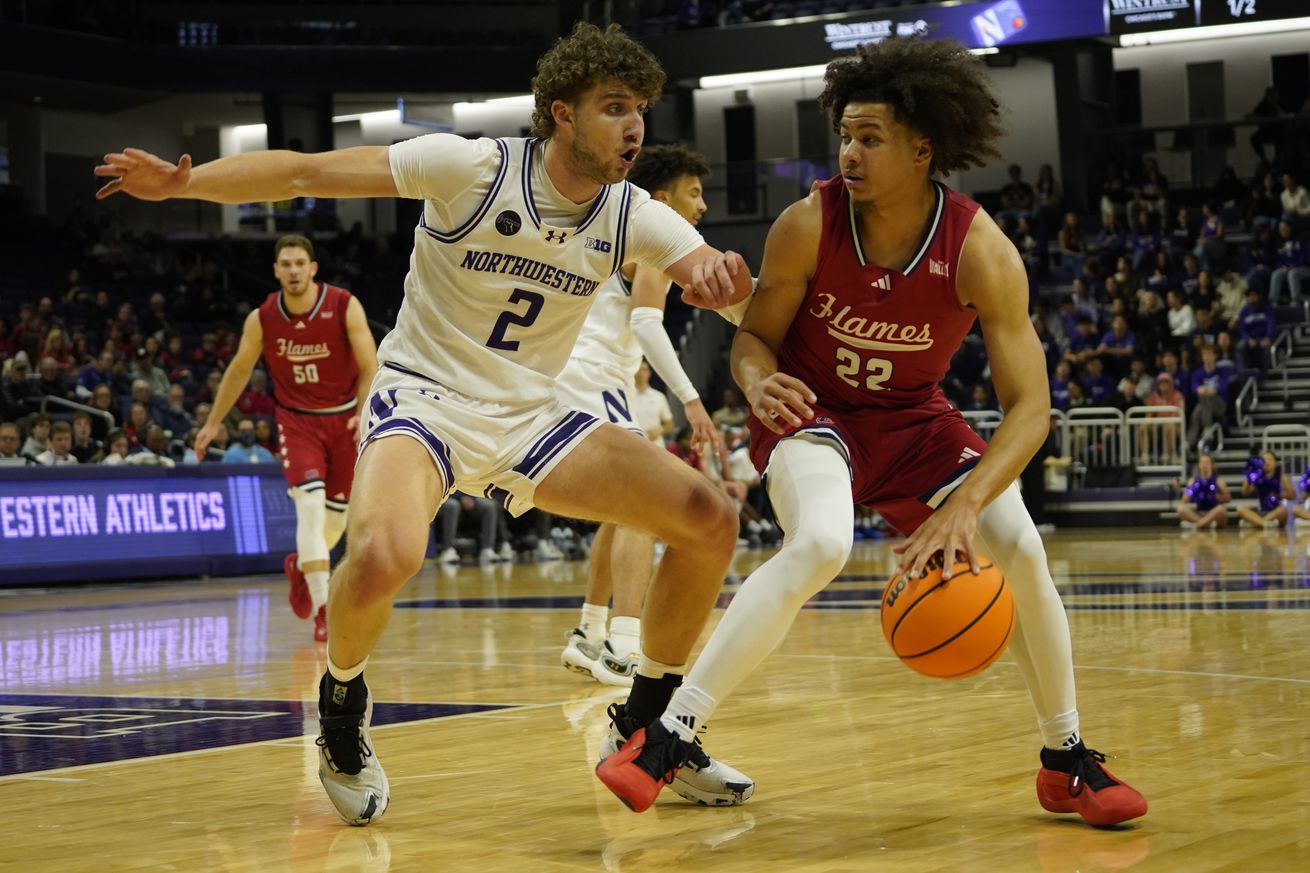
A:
301, 603
320, 624
1073, 780
645, 764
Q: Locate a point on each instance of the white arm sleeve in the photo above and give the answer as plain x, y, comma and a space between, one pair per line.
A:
647, 323
737, 311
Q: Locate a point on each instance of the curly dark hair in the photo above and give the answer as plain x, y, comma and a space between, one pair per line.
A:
659, 167
935, 87
586, 57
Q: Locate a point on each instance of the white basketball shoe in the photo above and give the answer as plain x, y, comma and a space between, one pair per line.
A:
347, 767
610, 669
579, 655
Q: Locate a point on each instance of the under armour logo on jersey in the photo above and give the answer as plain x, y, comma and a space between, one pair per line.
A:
968, 455
939, 268
556, 236
884, 283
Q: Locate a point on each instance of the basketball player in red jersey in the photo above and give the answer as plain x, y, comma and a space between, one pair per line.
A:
317, 347
867, 288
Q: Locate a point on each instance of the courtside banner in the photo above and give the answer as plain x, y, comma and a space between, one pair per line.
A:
85, 523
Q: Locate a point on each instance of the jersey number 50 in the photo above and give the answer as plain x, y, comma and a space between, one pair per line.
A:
303, 373
848, 368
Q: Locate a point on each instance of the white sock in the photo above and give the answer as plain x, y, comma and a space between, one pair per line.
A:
810, 487
625, 634
1041, 646
1060, 732
592, 622
345, 674
688, 711
318, 587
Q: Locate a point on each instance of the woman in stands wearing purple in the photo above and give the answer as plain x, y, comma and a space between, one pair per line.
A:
1204, 497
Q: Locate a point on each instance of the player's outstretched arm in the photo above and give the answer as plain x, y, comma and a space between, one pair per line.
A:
266, 175
992, 280
790, 256
234, 380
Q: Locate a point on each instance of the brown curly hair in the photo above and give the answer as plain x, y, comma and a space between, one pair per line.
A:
659, 167
935, 87
586, 57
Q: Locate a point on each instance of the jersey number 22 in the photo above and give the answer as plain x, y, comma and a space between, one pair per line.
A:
848, 368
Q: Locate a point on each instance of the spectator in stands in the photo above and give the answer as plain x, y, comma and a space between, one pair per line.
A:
1060, 386
155, 322
202, 414
264, 434
58, 349
1125, 395
145, 368
174, 359
487, 512
1209, 246
205, 358
51, 382
1182, 319
1204, 497
733, 412
1033, 254
1153, 187
10, 456
18, 393
1295, 200
207, 392
1143, 381
1050, 348
1099, 384
1117, 347
94, 374
1142, 242
1265, 206
1268, 107
1231, 295
156, 445
1209, 395
1226, 359
1111, 240
1077, 395
1114, 192
1261, 258
1181, 238
1256, 326
138, 419
1291, 269
1017, 197
255, 400
1150, 324
1206, 333
104, 400
1228, 191
1083, 343
170, 412
38, 435
980, 400
61, 443
1049, 201
1204, 296
650, 408
1190, 277
1073, 244
6, 334
117, 448
86, 448
1165, 392
246, 450
1274, 490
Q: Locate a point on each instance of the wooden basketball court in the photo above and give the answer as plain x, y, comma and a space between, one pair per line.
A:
170, 726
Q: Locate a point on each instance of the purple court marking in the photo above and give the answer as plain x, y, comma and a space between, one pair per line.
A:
40, 732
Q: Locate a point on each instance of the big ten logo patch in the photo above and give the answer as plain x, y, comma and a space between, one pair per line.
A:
599, 245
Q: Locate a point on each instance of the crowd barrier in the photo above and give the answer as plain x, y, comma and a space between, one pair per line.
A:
88, 522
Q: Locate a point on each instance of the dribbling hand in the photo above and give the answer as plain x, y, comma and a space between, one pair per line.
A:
143, 175
779, 400
950, 531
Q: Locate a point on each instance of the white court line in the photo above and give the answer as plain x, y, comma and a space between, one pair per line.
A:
1201, 673
29, 778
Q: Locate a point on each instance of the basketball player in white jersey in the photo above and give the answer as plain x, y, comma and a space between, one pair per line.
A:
626, 321
514, 239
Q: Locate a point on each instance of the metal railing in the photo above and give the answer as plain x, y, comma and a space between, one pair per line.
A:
1246, 402
78, 407
1291, 443
1094, 437
1156, 439
983, 421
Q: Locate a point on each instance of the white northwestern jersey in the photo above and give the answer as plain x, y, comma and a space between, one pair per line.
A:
607, 339
495, 295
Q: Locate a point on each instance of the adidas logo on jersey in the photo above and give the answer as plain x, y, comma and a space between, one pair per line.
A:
300, 325
939, 268
968, 455
884, 283
327, 314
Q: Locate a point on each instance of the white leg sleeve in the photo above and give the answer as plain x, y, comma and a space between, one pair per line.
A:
810, 485
335, 523
311, 518
1041, 644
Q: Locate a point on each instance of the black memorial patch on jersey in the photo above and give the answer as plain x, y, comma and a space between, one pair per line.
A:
508, 222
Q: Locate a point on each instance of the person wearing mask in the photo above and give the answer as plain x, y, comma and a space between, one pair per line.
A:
246, 450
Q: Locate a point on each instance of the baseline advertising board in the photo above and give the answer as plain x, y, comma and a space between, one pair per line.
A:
97, 523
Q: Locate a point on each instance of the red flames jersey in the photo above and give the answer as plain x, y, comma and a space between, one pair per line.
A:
308, 356
866, 336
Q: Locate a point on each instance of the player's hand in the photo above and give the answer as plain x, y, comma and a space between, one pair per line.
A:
205, 436
355, 424
704, 435
779, 400
950, 531
712, 285
143, 175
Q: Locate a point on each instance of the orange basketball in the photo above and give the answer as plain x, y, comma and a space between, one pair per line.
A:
950, 629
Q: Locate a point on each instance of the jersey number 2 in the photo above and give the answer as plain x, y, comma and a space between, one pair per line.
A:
848, 368
511, 317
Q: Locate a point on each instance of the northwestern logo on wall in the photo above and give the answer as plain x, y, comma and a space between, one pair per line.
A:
1126, 14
